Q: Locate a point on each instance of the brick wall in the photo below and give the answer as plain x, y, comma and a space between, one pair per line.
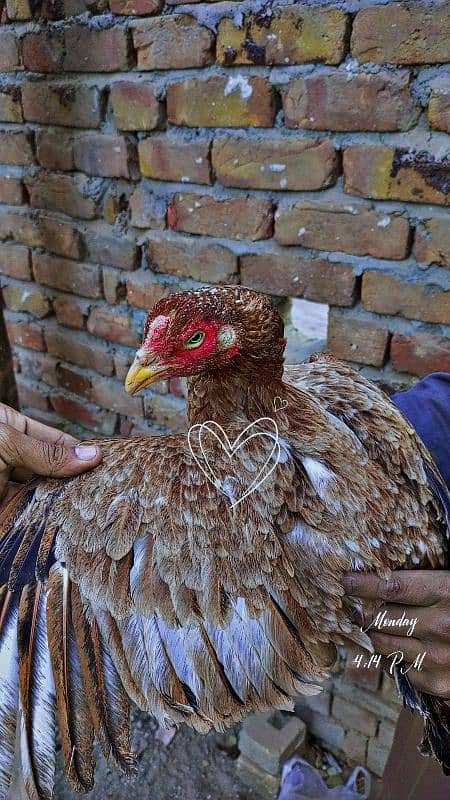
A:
147, 146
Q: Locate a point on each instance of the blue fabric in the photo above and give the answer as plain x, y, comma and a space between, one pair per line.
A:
427, 406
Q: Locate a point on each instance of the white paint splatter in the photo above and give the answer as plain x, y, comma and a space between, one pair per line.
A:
185, 179
238, 83
283, 183
277, 167
301, 231
198, 160
384, 223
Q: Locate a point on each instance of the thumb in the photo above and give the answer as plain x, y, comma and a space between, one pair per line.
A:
45, 458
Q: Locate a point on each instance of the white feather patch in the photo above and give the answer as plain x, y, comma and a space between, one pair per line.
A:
320, 476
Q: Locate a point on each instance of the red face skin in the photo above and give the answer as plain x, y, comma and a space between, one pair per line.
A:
183, 361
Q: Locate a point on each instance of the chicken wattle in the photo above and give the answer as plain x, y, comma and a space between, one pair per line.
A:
200, 575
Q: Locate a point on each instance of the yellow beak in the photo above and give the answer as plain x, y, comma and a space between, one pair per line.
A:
143, 372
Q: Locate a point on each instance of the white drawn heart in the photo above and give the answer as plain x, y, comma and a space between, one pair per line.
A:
231, 448
279, 403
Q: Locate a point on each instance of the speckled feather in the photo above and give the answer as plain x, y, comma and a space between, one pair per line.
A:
155, 588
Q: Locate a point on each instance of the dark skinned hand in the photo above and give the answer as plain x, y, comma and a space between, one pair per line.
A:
421, 594
30, 448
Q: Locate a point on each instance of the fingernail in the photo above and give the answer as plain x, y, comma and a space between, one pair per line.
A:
86, 452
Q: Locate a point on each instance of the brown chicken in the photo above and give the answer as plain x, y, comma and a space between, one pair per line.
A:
199, 575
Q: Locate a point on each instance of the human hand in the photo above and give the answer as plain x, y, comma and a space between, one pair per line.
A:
423, 595
30, 448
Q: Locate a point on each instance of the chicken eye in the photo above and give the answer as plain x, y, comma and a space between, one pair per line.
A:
195, 341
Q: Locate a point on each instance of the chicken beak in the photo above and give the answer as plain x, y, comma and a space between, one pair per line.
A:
143, 371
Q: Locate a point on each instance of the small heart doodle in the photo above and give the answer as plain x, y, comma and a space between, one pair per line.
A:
279, 403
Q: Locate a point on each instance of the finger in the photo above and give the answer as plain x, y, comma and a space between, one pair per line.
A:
44, 458
395, 619
413, 587
428, 624
11, 490
4, 477
9, 416
21, 475
388, 645
431, 681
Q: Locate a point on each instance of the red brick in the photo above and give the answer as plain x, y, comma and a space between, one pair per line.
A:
91, 50
24, 298
147, 209
15, 261
63, 9
114, 325
37, 366
74, 380
64, 193
191, 258
11, 191
62, 104
43, 51
172, 159
220, 102
342, 102
30, 394
136, 7
384, 173
54, 149
143, 290
439, 105
377, 756
107, 156
432, 242
10, 104
67, 275
327, 226
115, 202
358, 340
284, 36
388, 294
9, 52
136, 106
79, 349
110, 393
21, 228
18, 10
111, 248
236, 218
420, 353
402, 34
166, 411
311, 278
84, 414
173, 42
178, 387
367, 678
114, 286
16, 148
70, 312
276, 164
24, 333
353, 717
61, 238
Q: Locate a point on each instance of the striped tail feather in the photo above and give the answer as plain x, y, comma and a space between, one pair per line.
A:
55, 668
